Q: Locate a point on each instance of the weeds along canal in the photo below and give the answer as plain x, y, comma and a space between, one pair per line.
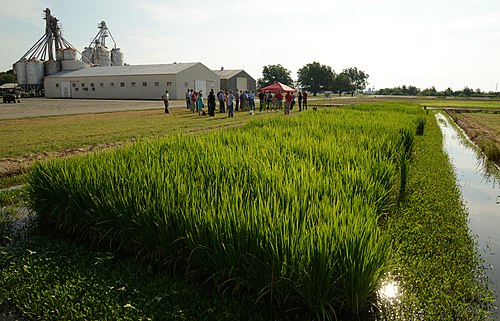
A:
479, 183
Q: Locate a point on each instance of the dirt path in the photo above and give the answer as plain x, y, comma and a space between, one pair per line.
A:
40, 107
17, 165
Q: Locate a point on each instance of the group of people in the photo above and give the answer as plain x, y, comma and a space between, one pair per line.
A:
275, 102
243, 100
194, 101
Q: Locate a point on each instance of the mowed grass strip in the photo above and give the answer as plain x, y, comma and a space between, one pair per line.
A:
45, 134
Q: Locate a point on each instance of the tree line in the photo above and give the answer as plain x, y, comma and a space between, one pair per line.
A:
414, 91
315, 78
7, 77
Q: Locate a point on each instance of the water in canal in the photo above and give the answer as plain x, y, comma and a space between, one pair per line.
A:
480, 187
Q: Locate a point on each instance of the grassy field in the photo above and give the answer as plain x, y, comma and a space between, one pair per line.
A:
38, 271
45, 134
52, 274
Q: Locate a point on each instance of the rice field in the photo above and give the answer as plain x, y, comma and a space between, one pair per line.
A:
287, 209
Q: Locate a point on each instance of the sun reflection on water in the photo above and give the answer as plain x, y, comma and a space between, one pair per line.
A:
390, 289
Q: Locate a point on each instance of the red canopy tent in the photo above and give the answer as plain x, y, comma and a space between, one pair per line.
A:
278, 88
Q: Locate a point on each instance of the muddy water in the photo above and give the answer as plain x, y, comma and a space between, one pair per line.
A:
480, 186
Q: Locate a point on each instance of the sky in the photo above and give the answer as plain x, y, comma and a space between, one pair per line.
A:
423, 43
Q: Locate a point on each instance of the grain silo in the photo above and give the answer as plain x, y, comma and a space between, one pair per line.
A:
20, 71
39, 61
117, 57
35, 71
98, 53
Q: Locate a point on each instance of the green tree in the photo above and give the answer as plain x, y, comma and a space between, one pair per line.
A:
274, 73
341, 84
358, 79
449, 92
429, 91
7, 77
315, 77
467, 92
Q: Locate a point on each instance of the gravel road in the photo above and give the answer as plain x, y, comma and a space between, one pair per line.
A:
37, 107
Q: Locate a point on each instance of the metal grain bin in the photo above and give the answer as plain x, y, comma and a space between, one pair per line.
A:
52, 67
87, 55
20, 72
59, 55
69, 54
35, 71
73, 64
102, 56
116, 57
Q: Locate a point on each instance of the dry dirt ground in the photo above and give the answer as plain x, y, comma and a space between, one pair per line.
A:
40, 107
474, 130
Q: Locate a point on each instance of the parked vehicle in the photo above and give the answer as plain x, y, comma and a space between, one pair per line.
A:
10, 98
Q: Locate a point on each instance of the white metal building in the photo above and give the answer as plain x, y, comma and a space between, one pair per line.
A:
132, 82
237, 79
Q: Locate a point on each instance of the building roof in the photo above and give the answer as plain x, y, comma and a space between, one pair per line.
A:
128, 70
226, 74
8, 85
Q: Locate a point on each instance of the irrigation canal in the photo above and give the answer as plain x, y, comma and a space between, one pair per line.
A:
480, 187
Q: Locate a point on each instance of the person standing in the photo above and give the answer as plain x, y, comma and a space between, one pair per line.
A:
262, 98
251, 100
237, 99
188, 98
300, 100
288, 102
211, 103
279, 99
200, 103
304, 99
194, 99
222, 99
166, 97
243, 100
269, 100
230, 105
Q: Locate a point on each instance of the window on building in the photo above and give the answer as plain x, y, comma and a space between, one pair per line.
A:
93, 88
169, 83
74, 85
57, 85
122, 84
92, 84
76, 88
144, 84
83, 84
111, 84
157, 83
101, 84
186, 84
132, 84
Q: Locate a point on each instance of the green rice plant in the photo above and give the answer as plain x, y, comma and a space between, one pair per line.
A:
420, 125
286, 209
490, 149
